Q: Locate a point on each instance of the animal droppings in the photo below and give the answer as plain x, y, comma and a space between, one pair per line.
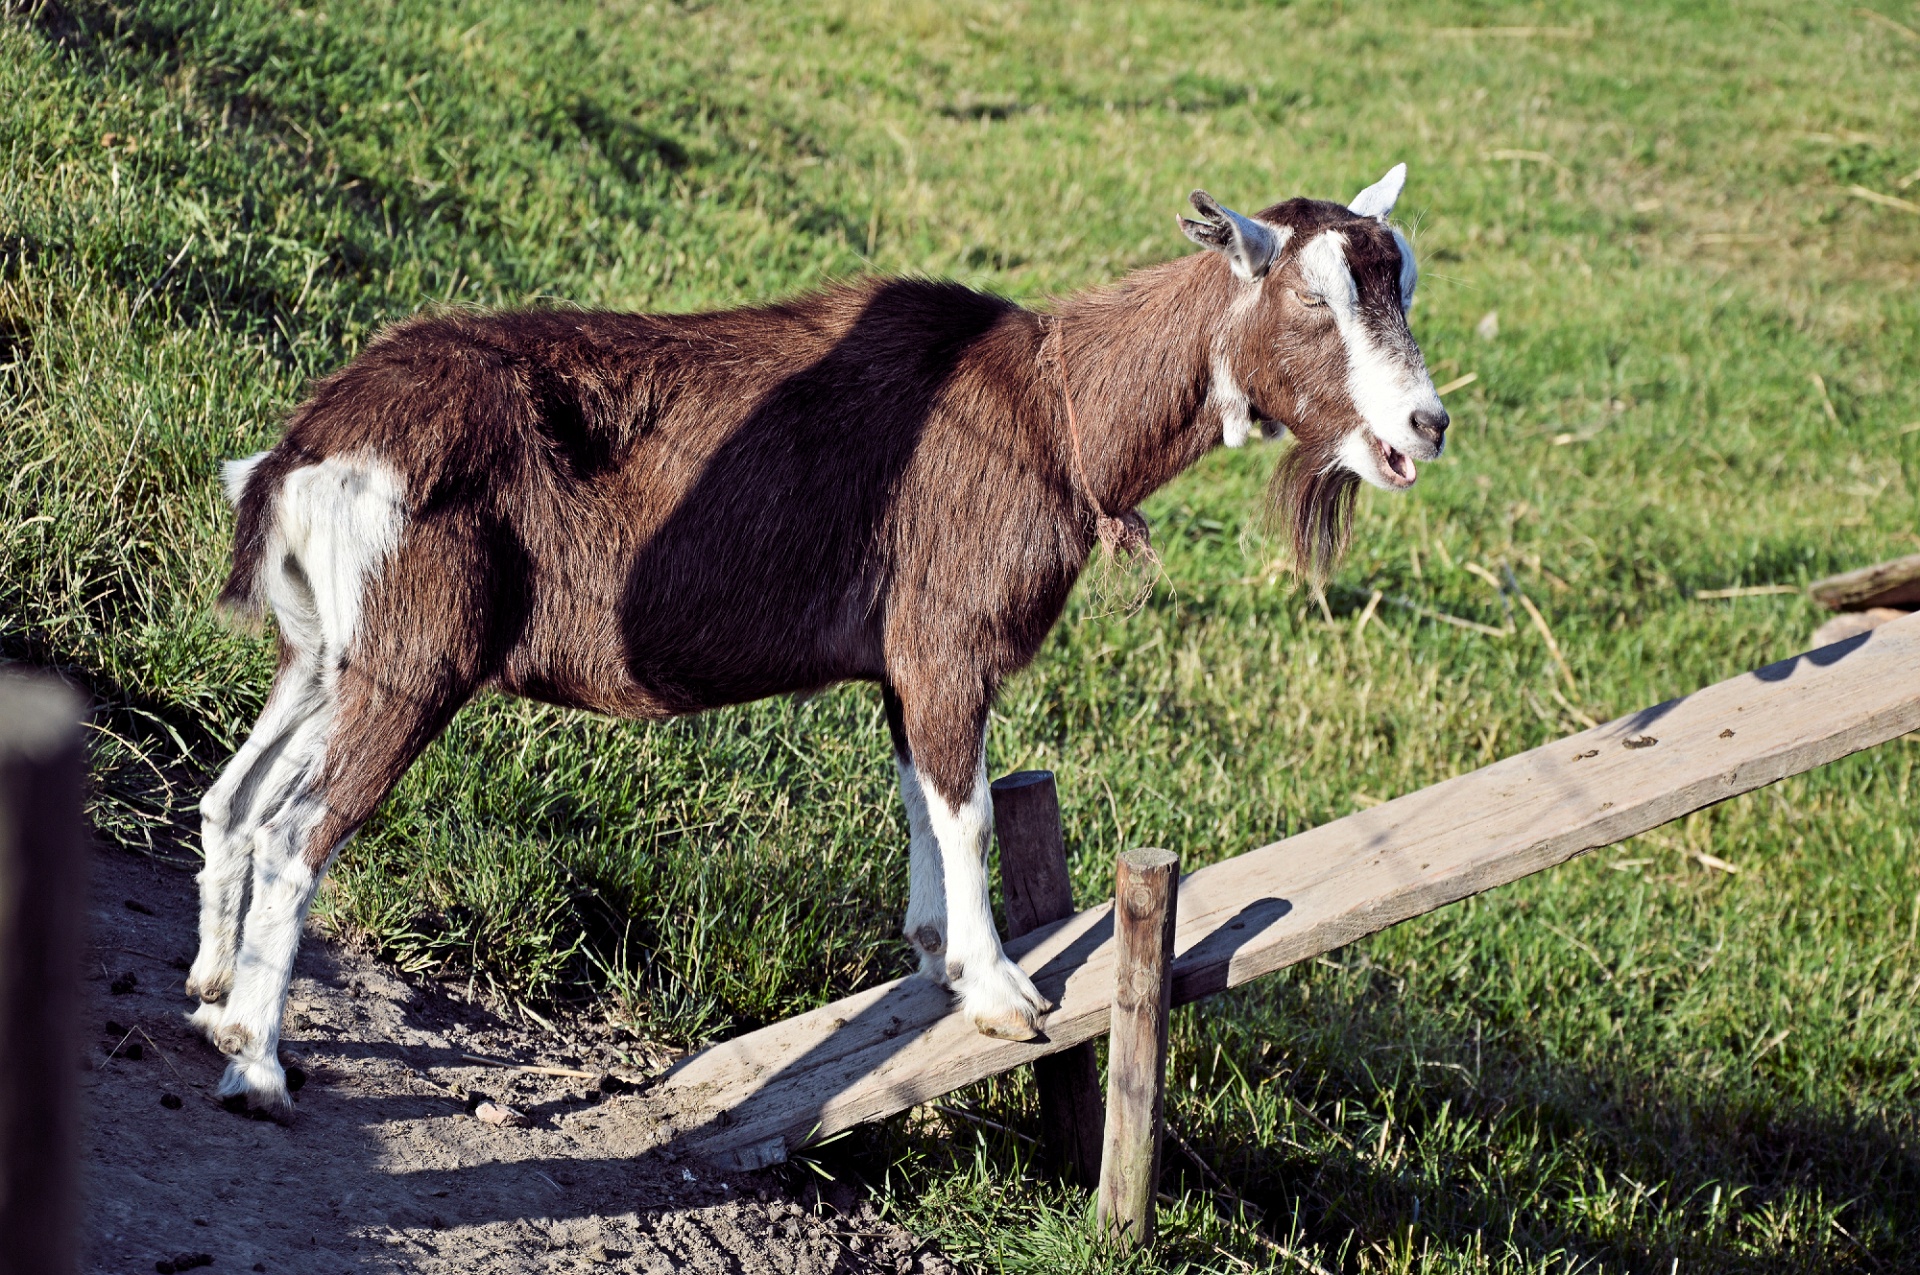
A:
1727, 733
135, 905
132, 1052
237, 1105
124, 984
182, 1262
1644, 741
171, 1101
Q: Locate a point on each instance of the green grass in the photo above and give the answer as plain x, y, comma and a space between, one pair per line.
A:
1633, 1061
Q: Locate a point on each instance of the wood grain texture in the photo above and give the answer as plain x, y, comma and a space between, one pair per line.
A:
42, 884
892, 1047
1885, 584
1038, 891
1144, 908
1033, 850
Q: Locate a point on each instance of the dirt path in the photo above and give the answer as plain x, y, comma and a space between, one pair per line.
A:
385, 1168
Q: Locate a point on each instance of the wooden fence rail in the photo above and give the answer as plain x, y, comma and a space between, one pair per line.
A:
750, 1101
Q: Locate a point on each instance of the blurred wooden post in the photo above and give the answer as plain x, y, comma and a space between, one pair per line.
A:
1144, 896
41, 896
1034, 883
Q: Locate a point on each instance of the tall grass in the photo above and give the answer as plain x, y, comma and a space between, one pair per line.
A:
1636, 1060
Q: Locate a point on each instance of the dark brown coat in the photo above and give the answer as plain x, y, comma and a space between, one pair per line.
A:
653, 515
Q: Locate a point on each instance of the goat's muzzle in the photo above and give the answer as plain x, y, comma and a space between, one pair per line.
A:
1430, 423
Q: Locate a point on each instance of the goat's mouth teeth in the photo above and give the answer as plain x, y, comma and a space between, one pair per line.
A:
1398, 465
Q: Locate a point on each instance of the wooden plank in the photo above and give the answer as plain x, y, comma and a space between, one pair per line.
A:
42, 889
750, 1100
1144, 903
1885, 584
1038, 891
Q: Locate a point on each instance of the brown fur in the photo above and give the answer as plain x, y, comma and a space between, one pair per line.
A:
653, 515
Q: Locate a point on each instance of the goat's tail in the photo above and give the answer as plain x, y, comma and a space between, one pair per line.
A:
251, 484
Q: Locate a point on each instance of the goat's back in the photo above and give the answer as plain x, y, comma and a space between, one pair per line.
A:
665, 513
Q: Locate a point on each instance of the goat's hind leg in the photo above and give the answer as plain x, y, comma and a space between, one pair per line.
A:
350, 755
246, 793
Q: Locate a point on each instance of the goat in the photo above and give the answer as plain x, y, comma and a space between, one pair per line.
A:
895, 481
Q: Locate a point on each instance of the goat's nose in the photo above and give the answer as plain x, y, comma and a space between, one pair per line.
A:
1431, 424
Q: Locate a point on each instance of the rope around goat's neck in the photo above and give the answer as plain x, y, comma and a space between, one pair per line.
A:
1128, 534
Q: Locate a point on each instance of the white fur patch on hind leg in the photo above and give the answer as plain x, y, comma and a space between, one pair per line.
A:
340, 519
996, 994
334, 525
249, 1030
926, 923
230, 812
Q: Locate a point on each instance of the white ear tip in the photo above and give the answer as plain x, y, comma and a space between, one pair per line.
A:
1378, 199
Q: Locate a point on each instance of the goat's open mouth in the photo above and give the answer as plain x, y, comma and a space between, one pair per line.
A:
1396, 464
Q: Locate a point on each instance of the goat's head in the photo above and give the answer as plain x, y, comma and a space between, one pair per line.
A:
1317, 341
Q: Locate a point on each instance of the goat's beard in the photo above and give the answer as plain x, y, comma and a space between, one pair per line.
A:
1311, 497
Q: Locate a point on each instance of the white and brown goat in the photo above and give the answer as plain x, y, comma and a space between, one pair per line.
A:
651, 515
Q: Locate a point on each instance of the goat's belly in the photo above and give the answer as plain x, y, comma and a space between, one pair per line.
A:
678, 657
663, 693
690, 680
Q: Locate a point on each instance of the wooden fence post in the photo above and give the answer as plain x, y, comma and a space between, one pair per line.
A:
1144, 897
1037, 891
42, 874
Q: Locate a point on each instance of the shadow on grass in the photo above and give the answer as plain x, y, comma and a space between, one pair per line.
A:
1526, 1155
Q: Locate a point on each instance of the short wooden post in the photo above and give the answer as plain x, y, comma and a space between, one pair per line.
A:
1037, 891
1144, 899
42, 875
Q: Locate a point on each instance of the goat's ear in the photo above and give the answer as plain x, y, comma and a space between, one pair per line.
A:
1250, 247
1378, 199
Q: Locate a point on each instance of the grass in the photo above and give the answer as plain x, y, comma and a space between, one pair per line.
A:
1636, 1062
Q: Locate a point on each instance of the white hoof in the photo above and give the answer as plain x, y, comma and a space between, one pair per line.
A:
1000, 999
261, 1084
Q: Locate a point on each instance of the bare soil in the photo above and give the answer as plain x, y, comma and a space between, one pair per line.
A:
385, 1166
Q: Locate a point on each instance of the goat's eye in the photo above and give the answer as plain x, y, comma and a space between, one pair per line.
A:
1311, 298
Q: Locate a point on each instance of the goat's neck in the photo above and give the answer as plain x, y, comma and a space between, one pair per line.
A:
1139, 361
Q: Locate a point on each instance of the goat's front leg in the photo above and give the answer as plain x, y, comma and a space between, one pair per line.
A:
943, 772
926, 924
